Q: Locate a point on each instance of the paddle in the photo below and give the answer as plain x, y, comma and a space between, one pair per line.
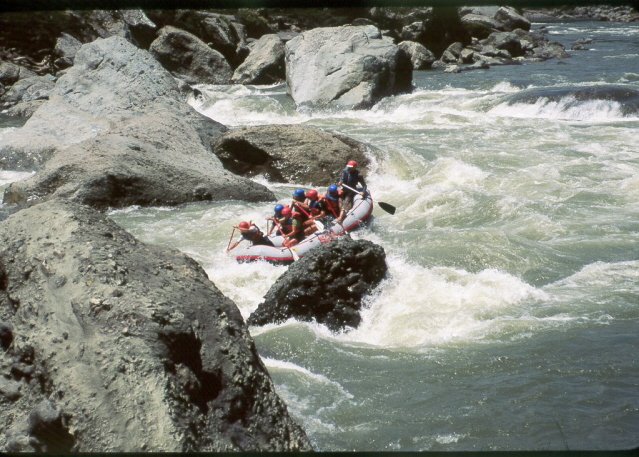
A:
383, 205
230, 239
295, 255
318, 224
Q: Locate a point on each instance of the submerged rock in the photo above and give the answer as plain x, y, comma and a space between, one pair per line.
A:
345, 67
121, 346
327, 285
288, 153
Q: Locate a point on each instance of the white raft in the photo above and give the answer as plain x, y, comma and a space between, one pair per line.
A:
362, 209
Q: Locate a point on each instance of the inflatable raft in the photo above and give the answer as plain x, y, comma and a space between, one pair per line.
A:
362, 209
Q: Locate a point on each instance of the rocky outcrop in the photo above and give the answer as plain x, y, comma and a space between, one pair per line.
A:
622, 13
327, 285
189, 58
288, 153
483, 21
28, 89
345, 67
112, 345
264, 64
66, 48
122, 135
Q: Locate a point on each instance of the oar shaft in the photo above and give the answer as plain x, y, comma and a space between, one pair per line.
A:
230, 239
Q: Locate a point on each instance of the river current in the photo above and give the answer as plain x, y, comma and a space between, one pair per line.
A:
510, 314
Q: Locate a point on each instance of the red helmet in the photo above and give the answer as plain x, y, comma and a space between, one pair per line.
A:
243, 225
312, 194
351, 164
286, 211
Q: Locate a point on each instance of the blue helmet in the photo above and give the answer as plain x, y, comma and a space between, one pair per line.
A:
332, 188
298, 193
278, 208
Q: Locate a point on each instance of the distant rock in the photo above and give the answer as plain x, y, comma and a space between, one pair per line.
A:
507, 41
264, 64
10, 73
420, 57
288, 153
511, 19
122, 135
120, 346
345, 67
66, 48
481, 26
326, 286
189, 58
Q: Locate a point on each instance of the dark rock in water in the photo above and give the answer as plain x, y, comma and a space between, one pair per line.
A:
327, 285
506, 41
345, 67
129, 346
122, 135
627, 98
288, 153
264, 64
189, 58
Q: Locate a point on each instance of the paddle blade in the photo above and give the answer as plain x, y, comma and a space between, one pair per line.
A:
319, 225
296, 256
387, 207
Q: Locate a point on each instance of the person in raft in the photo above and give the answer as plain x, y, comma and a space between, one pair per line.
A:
277, 219
292, 228
299, 204
250, 232
316, 206
351, 177
333, 203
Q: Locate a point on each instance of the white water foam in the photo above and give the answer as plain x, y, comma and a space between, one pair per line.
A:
419, 306
566, 109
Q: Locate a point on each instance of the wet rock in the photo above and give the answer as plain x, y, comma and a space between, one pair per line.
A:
288, 153
327, 285
264, 64
189, 58
143, 351
345, 67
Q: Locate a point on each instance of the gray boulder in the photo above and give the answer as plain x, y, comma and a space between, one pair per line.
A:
288, 153
121, 133
507, 41
511, 19
264, 64
480, 26
125, 347
345, 67
550, 50
66, 48
189, 58
11, 73
28, 89
326, 286
25, 109
420, 57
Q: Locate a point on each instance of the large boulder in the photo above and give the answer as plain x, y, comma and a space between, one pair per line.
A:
28, 89
480, 26
119, 346
327, 285
288, 153
264, 64
122, 134
345, 67
10, 73
66, 48
189, 58
420, 57
507, 41
511, 19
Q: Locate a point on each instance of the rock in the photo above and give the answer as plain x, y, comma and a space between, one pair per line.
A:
10, 73
452, 69
420, 57
413, 32
28, 89
9, 389
327, 285
45, 425
511, 19
122, 135
507, 41
189, 58
264, 64
6, 332
550, 50
66, 48
345, 67
480, 26
185, 376
25, 109
467, 55
288, 153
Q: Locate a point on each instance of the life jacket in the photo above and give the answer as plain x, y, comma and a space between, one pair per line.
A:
257, 235
298, 212
352, 179
332, 203
316, 207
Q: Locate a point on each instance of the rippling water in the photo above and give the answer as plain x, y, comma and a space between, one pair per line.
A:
508, 320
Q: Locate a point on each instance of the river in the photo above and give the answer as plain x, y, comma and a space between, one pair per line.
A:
509, 317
